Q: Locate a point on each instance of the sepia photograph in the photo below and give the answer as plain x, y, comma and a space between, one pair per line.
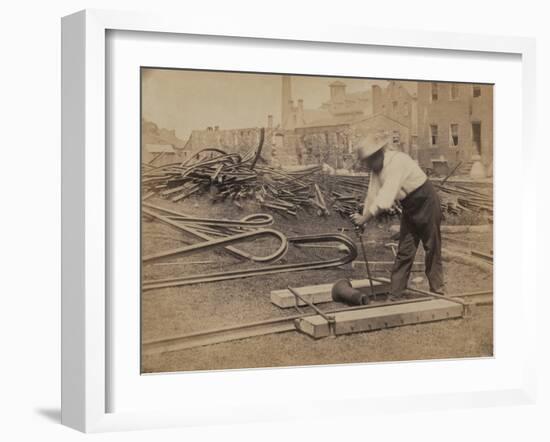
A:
293, 220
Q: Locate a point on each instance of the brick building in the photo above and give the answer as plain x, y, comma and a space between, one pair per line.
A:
433, 121
328, 134
455, 122
323, 135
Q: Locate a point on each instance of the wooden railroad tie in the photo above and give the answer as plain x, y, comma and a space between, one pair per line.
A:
318, 294
380, 317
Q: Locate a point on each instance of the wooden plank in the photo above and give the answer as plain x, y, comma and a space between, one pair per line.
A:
370, 319
317, 294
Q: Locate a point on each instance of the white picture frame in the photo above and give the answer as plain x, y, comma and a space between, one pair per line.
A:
85, 310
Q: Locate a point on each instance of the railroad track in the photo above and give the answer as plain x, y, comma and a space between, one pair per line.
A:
277, 325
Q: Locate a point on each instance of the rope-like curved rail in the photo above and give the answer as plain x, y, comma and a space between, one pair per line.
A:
252, 220
198, 230
226, 240
280, 268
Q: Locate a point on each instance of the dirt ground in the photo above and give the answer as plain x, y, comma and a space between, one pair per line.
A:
176, 311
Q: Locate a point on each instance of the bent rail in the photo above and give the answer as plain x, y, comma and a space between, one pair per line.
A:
197, 230
252, 220
226, 240
280, 268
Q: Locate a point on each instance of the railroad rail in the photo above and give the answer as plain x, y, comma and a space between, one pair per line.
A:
279, 325
269, 270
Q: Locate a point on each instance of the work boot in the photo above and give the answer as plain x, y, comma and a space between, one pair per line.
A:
441, 291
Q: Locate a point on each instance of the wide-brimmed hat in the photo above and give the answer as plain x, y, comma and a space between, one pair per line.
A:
371, 144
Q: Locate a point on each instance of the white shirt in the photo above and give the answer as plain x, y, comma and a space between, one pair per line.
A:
400, 175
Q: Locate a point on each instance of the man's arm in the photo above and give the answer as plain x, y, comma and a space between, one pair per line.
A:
374, 186
387, 194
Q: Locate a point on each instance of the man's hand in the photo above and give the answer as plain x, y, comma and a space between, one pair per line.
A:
359, 219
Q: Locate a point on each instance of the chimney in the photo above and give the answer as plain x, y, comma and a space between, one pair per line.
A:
300, 112
286, 97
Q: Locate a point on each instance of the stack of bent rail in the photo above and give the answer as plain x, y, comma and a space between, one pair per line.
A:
205, 228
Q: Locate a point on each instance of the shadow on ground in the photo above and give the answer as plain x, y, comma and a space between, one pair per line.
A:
51, 414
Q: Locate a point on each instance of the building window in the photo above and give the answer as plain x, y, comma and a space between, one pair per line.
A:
405, 109
454, 135
394, 104
434, 92
454, 91
476, 91
476, 137
433, 134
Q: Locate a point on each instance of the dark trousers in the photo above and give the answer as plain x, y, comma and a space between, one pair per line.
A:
420, 221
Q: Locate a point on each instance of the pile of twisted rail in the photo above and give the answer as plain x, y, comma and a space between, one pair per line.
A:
224, 233
235, 178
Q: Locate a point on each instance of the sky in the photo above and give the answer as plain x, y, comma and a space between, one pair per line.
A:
186, 100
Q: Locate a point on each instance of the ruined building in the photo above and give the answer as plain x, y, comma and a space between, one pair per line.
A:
323, 135
328, 134
441, 121
160, 146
